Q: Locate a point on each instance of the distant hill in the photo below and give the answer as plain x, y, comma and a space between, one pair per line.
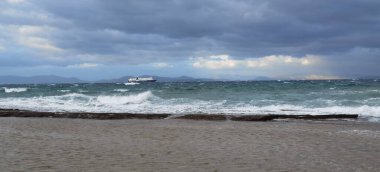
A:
47, 79
117, 80
368, 77
158, 78
181, 79
43, 79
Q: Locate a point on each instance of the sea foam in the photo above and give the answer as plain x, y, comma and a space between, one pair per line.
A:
123, 100
147, 102
76, 102
131, 83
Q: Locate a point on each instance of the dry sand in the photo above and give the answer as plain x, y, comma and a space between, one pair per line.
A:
43, 144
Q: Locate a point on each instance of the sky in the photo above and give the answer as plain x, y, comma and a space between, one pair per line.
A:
220, 39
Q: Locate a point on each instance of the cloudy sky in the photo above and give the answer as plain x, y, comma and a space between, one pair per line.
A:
242, 39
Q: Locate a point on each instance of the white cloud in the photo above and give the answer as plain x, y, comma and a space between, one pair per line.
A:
84, 65
321, 77
2, 48
281, 60
162, 65
225, 62
274, 66
216, 62
33, 37
15, 1
28, 29
39, 43
27, 15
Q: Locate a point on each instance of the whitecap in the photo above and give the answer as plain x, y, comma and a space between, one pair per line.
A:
122, 100
14, 90
131, 83
121, 90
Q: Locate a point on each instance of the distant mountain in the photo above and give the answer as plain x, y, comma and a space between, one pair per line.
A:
181, 79
158, 78
368, 77
43, 79
117, 80
47, 79
263, 78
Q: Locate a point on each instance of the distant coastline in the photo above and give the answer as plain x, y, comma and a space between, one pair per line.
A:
53, 79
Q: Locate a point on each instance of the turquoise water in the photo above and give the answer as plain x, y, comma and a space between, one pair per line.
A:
254, 97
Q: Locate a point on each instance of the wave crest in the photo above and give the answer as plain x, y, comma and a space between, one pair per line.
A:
76, 102
14, 90
123, 100
147, 102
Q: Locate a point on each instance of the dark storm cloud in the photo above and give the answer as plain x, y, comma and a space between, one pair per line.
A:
141, 31
246, 28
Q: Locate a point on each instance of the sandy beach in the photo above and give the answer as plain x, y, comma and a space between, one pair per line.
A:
44, 144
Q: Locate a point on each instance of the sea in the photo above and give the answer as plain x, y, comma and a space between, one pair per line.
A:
231, 97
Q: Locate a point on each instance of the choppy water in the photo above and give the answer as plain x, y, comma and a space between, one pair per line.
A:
256, 97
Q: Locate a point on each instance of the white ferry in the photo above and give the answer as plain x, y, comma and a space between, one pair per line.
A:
142, 79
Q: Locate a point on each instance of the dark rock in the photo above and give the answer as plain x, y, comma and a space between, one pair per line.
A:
115, 116
84, 115
317, 117
252, 118
203, 117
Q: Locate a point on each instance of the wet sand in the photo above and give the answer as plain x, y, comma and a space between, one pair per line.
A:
47, 144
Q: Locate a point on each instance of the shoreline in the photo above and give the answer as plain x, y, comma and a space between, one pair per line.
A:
206, 117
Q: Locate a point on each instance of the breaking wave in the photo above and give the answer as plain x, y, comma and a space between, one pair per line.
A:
76, 102
124, 100
147, 102
14, 90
